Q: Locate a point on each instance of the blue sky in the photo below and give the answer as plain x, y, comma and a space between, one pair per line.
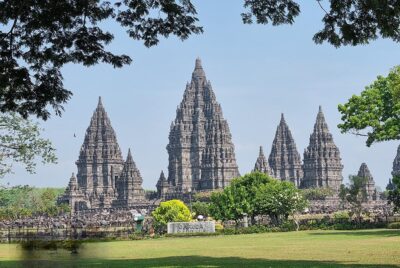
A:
257, 72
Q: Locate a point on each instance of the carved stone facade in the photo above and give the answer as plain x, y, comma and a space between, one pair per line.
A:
104, 180
129, 185
372, 194
322, 163
284, 158
396, 163
262, 164
200, 149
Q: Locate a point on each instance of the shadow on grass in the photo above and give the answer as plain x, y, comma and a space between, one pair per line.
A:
377, 233
186, 261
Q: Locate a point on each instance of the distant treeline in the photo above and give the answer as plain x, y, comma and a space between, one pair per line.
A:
25, 201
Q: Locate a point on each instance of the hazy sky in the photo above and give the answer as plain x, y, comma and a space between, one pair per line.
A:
257, 72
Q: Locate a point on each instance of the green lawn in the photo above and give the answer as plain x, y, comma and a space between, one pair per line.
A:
367, 248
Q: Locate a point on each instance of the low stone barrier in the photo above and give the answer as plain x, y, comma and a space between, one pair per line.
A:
191, 227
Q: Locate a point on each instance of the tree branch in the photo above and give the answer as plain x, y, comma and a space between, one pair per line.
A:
11, 30
358, 134
320, 5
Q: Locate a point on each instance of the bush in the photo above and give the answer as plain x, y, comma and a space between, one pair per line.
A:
341, 215
170, 211
218, 227
394, 225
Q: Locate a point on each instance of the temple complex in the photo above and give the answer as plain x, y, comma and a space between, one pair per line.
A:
262, 164
284, 158
200, 149
322, 165
201, 157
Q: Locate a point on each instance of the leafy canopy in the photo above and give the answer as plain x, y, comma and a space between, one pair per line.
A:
375, 113
25, 201
257, 194
37, 38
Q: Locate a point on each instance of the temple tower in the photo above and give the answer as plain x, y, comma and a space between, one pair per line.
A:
129, 184
99, 158
369, 184
200, 149
396, 163
262, 164
284, 158
162, 186
322, 163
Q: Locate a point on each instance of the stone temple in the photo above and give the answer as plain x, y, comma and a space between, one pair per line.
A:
371, 191
200, 149
322, 165
104, 179
262, 164
284, 158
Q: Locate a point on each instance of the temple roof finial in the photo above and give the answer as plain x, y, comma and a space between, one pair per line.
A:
129, 157
283, 117
198, 63
198, 69
261, 151
100, 103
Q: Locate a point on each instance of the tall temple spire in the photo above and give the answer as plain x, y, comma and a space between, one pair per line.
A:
99, 154
201, 152
322, 163
262, 165
396, 163
284, 158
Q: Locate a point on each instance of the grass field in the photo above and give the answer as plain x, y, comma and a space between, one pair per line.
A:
366, 248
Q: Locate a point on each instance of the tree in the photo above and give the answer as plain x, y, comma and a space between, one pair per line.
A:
346, 22
230, 204
20, 141
25, 201
355, 194
170, 211
201, 208
238, 198
394, 194
37, 38
279, 200
43, 36
376, 111
257, 194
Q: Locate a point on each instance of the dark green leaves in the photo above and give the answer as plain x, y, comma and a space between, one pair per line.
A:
275, 11
42, 36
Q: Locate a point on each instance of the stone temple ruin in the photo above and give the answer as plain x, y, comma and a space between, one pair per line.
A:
201, 157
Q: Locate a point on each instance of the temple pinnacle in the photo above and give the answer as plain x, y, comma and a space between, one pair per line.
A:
198, 70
